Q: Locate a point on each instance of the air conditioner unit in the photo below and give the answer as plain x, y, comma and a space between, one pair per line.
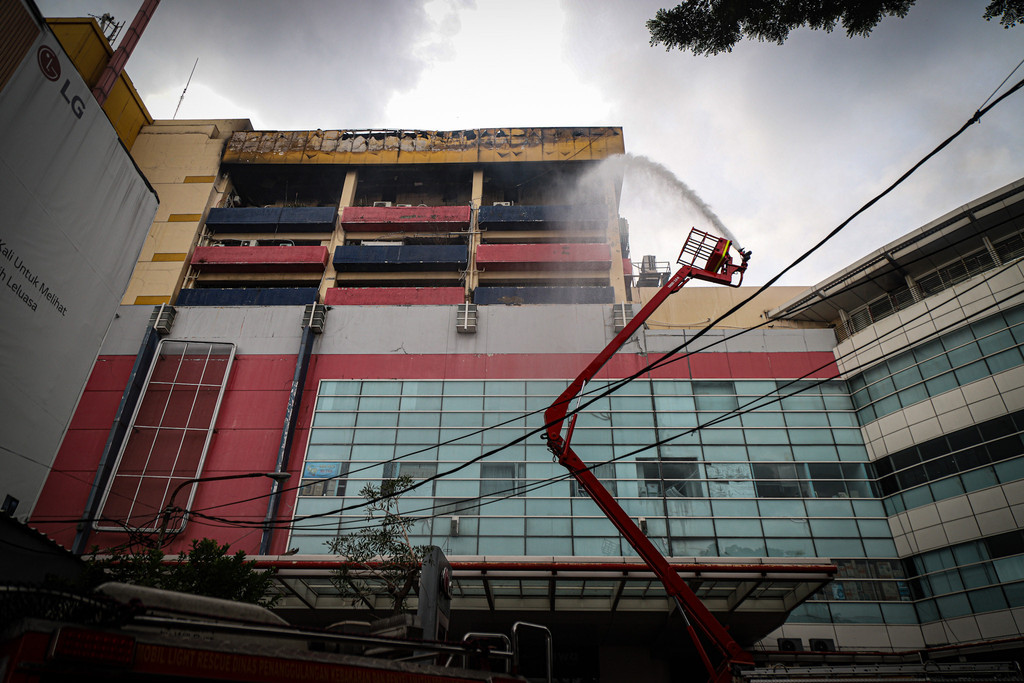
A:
465, 319
162, 318
621, 314
382, 203
790, 645
314, 316
502, 204
822, 645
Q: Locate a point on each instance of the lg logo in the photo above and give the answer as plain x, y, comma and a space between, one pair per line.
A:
48, 63
50, 66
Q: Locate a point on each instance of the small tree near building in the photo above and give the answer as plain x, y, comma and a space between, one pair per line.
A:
206, 569
380, 558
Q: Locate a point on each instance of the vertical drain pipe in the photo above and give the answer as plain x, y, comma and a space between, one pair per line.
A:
288, 429
118, 432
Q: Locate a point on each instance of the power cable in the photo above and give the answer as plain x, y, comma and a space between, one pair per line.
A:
668, 356
747, 407
538, 430
754, 404
745, 330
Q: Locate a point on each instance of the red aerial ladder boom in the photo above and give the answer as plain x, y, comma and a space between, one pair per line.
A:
716, 265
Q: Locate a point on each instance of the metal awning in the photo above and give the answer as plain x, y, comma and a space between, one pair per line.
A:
920, 251
753, 597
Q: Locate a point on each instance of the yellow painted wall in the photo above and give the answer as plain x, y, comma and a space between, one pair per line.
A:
181, 160
695, 306
89, 52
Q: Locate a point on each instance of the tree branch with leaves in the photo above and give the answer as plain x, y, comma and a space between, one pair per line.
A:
380, 558
708, 27
206, 569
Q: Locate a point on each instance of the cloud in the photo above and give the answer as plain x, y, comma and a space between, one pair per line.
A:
783, 142
786, 141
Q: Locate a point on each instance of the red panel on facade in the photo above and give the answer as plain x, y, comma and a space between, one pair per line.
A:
821, 364
109, 373
96, 409
262, 372
260, 259
423, 218
544, 256
252, 409
394, 296
567, 365
249, 424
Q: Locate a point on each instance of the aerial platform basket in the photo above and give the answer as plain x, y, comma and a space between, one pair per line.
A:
706, 257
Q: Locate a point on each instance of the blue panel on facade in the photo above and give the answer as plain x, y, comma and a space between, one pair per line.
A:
544, 295
405, 257
539, 217
271, 296
260, 219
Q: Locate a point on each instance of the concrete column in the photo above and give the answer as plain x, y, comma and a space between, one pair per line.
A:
348, 195
992, 250
915, 289
476, 199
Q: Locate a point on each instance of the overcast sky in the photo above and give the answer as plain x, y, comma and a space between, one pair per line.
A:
782, 142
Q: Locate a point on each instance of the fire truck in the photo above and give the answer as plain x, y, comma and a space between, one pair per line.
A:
133, 633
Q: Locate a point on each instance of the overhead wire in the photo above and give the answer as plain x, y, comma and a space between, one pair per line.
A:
484, 500
722, 340
670, 355
754, 404
665, 358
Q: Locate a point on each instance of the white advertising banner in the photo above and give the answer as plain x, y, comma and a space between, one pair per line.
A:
74, 212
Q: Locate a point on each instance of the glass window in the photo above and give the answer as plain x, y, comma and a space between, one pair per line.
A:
456, 506
742, 547
790, 547
1003, 360
605, 472
694, 547
781, 508
324, 479
502, 478
715, 395
952, 606
738, 527
856, 613
340, 387
337, 402
839, 547
669, 477
169, 434
734, 508
761, 419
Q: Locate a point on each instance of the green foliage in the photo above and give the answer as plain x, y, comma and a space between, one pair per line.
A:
708, 27
380, 558
207, 569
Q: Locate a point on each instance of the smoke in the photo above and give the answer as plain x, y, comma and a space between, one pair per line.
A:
660, 207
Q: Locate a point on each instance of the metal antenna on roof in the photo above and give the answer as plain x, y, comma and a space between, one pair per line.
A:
181, 99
